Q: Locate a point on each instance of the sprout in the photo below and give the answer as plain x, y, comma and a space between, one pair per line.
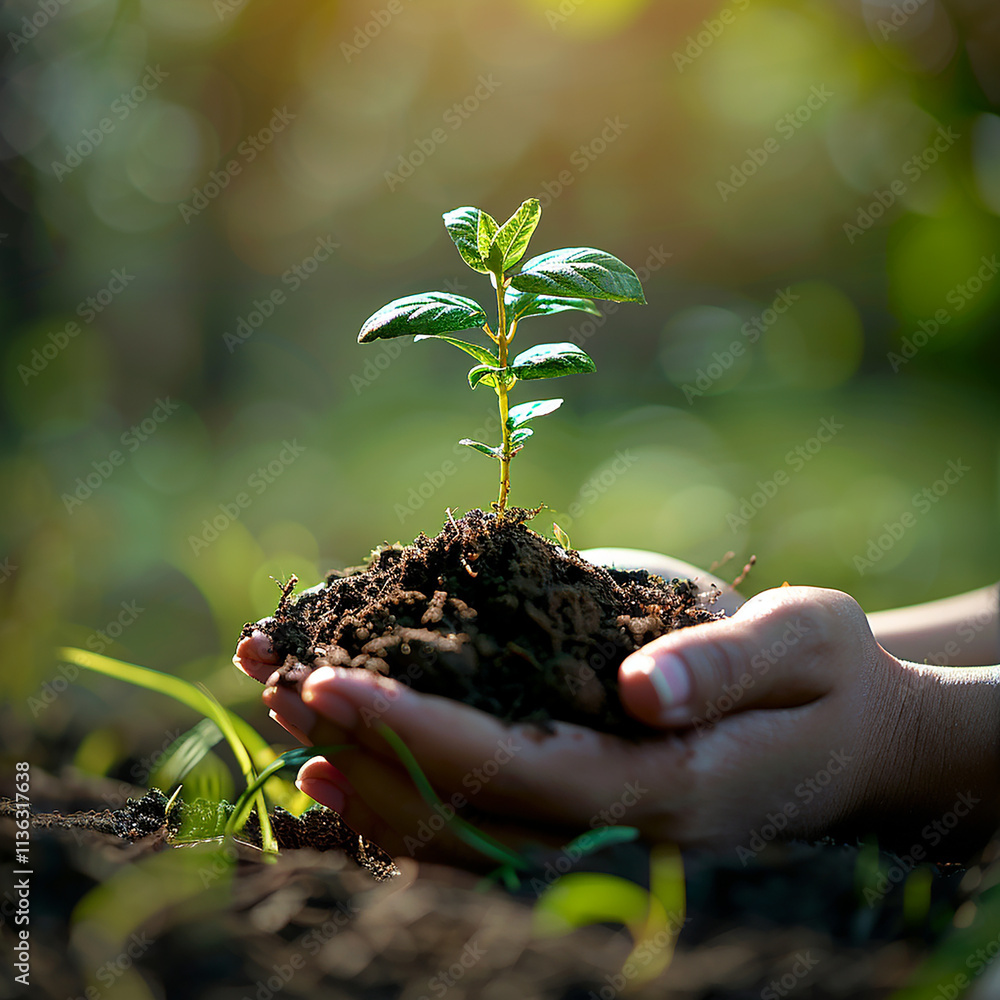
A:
549, 283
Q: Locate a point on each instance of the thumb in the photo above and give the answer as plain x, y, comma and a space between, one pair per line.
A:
773, 653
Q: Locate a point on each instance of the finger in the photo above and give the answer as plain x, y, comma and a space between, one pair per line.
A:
381, 802
565, 777
255, 656
669, 568
775, 652
328, 785
287, 709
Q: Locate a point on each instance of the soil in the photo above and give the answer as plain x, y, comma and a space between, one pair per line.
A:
489, 613
790, 922
318, 828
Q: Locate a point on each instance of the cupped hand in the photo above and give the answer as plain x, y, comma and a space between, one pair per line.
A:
786, 719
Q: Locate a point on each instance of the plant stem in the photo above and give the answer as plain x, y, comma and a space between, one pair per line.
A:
502, 342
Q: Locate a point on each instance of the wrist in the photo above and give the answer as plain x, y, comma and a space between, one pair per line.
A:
939, 785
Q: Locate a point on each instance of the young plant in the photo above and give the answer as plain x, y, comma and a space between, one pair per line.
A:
552, 282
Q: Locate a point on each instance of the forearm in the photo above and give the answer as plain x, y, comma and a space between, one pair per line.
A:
956, 631
935, 762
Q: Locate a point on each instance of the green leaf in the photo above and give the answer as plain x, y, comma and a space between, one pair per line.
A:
486, 374
512, 238
521, 305
290, 758
551, 361
580, 271
524, 412
429, 313
197, 697
582, 898
185, 753
479, 446
463, 228
486, 229
562, 538
479, 353
520, 436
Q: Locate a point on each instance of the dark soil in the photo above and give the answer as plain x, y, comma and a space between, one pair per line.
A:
791, 922
317, 828
491, 614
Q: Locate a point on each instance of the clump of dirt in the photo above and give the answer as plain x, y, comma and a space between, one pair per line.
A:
489, 613
153, 816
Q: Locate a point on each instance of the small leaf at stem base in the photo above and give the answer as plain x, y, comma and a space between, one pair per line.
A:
561, 537
524, 412
484, 448
481, 354
521, 305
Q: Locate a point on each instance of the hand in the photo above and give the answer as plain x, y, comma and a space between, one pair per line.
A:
785, 720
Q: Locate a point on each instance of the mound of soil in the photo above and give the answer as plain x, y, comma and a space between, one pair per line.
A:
489, 613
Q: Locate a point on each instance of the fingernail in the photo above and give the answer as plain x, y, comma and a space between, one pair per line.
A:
668, 676
318, 694
257, 635
331, 795
289, 706
289, 728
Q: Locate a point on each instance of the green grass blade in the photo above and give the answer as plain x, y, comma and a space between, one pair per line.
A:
196, 698
291, 758
462, 829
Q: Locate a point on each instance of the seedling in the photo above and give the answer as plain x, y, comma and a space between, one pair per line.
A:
552, 282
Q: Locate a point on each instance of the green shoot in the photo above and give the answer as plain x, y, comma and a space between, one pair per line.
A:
552, 282
462, 829
194, 697
290, 758
561, 537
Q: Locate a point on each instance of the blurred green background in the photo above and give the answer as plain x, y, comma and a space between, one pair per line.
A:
177, 172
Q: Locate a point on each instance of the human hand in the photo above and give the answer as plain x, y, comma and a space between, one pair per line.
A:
787, 718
